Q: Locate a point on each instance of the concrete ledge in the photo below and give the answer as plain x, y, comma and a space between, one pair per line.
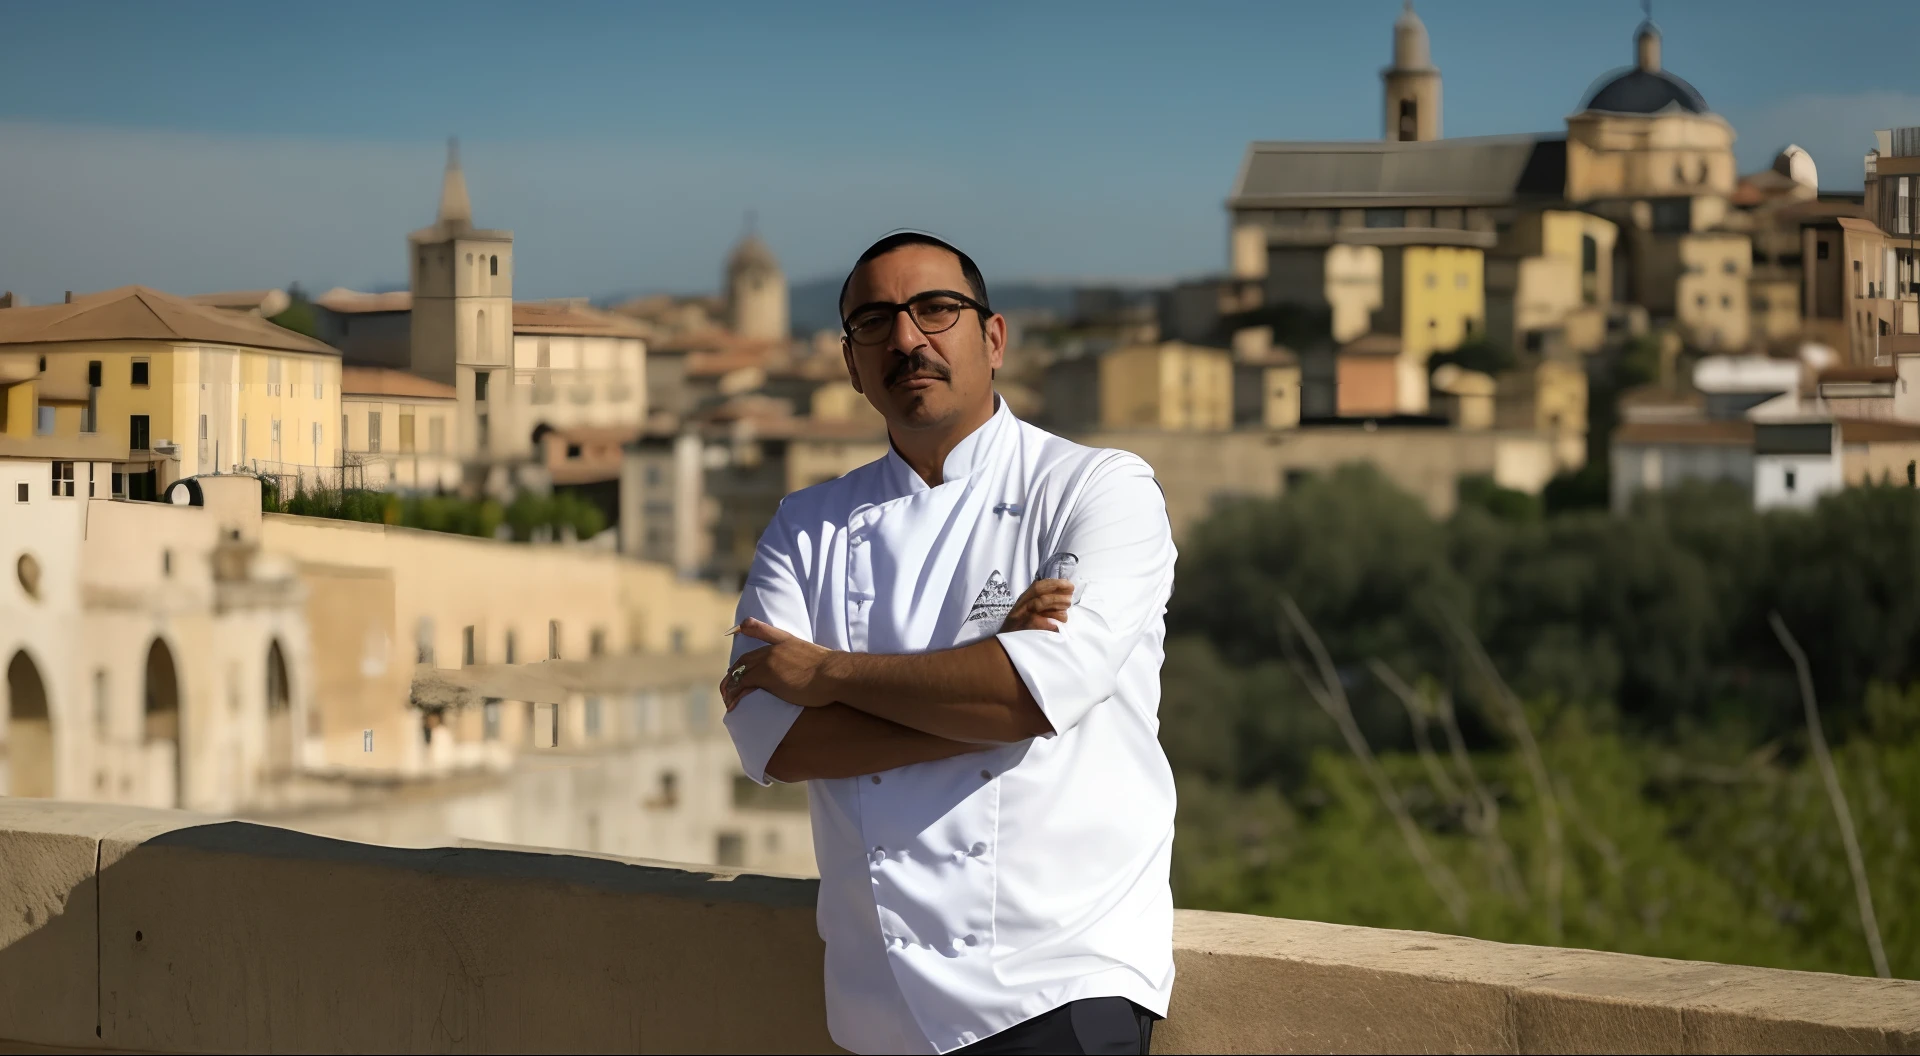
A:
172, 932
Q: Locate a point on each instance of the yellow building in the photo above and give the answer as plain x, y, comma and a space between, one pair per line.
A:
186, 388
1550, 281
1170, 385
398, 429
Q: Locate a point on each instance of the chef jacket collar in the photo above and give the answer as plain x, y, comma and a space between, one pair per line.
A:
970, 454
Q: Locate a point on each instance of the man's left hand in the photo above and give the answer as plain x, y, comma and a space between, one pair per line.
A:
789, 667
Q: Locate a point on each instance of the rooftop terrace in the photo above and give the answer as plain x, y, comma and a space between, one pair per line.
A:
164, 931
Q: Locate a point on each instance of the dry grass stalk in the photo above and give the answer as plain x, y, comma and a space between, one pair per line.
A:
1522, 730
1482, 813
1332, 699
1856, 864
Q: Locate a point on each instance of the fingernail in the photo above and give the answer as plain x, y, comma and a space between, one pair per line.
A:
733, 630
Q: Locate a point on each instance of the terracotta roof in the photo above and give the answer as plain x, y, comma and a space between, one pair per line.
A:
265, 302
1877, 430
137, 313
1372, 345
562, 318
349, 302
1861, 373
385, 381
1718, 433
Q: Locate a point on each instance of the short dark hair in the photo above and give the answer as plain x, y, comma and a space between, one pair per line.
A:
976, 284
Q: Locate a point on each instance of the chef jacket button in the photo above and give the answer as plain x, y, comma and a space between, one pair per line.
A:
876, 779
977, 849
879, 854
986, 775
970, 940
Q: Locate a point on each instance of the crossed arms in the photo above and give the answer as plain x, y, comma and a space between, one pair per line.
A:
865, 713
800, 711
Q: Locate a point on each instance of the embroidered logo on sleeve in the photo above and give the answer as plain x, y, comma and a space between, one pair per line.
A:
994, 602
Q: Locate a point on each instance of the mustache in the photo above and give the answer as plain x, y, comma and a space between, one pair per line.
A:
917, 364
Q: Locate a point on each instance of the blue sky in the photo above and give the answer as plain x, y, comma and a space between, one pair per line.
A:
202, 146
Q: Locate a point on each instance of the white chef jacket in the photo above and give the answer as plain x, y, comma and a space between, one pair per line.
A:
963, 896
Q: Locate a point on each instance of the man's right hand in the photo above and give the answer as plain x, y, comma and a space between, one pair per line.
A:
1042, 608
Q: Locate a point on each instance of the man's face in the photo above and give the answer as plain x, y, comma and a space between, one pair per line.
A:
914, 379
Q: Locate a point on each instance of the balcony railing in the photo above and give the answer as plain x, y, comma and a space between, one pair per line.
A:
161, 931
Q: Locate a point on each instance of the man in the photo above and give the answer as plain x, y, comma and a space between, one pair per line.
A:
992, 813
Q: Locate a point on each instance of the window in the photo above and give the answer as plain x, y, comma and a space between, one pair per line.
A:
490, 719
1913, 472
1790, 479
553, 639
166, 562
466, 645
1726, 301
1700, 301
140, 373
1760, 305
510, 650
730, 848
480, 386
203, 427
1534, 340
653, 476
93, 373
1883, 328
493, 265
1730, 266
1673, 214
437, 436
1386, 218
137, 436
543, 359
20, 493
43, 421
573, 450
406, 433
597, 642
1820, 250
1409, 120
373, 431
593, 716
1902, 222
273, 375
90, 468
119, 485
62, 480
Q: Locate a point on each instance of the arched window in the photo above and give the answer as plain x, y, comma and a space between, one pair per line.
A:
1409, 120
161, 705
279, 713
493, 265
1589, 269
29, 730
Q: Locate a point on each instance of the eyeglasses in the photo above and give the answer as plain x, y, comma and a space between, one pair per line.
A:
934, 311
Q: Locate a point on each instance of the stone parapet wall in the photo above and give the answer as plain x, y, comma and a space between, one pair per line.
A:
170, 932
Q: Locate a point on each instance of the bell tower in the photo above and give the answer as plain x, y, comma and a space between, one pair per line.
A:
462, 319
1412, 83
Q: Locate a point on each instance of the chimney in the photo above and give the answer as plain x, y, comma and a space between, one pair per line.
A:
69, 296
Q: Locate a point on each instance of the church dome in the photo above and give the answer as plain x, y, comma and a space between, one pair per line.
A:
1797, 165
1645, 88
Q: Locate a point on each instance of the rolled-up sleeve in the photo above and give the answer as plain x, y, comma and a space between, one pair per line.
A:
772, 595
1119, 534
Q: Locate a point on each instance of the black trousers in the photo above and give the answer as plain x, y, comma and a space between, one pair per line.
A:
1106, 1025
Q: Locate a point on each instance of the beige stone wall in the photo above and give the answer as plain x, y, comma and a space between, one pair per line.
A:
1196, 469
166, 932
1711, 297
1631, 156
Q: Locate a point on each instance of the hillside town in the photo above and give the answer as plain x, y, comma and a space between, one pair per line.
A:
439, 564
